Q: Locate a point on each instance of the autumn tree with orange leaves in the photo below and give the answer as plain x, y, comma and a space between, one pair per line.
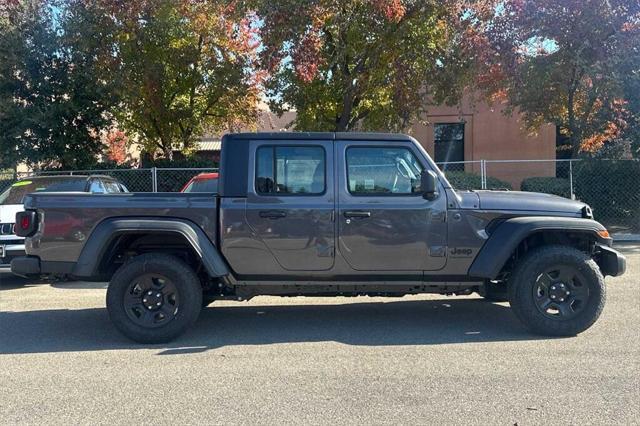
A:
181, 67
372, 65
574, 63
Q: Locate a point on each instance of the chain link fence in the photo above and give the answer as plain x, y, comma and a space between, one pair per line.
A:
136, 180
610, 187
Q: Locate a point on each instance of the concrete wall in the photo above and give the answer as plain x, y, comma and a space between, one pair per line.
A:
491, 135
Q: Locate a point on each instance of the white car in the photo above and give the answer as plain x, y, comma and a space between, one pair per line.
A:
11, 203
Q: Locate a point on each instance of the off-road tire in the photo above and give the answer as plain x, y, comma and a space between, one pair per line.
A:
523, 280
186, 283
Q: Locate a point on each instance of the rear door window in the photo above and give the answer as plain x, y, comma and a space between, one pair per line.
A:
290, 170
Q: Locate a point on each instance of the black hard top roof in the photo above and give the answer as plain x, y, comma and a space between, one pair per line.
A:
370, 136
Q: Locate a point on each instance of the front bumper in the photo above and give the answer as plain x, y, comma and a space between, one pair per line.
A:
610, 261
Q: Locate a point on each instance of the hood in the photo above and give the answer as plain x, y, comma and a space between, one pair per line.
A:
8, 212
528, 201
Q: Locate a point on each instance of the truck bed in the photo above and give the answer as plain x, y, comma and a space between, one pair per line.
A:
69, 218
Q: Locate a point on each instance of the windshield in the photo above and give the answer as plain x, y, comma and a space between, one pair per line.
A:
16, 192
203, 185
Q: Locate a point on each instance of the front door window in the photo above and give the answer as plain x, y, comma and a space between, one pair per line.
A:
382, 171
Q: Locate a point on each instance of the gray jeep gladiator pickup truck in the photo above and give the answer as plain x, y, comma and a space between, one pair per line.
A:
324, 214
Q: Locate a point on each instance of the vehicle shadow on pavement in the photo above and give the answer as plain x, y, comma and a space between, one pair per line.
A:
419, 322
12, 282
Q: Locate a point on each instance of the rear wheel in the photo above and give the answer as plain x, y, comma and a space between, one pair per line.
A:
154, 298
557, 291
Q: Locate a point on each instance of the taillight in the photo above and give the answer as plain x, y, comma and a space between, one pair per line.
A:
26, 223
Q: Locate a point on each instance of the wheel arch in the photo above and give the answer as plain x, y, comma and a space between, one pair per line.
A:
514, 234
107, 234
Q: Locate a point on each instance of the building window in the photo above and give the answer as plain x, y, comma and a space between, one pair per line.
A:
448, 141
290, 170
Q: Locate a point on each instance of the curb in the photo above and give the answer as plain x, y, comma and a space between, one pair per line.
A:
626, 238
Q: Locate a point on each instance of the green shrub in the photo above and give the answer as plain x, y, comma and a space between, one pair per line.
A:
612, 189
468, 181
184, 163
547, 185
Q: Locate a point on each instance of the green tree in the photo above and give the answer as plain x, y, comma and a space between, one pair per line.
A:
51, 106
373, 65
573, 63
181, 67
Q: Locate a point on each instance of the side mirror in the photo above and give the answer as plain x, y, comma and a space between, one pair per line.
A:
429, 185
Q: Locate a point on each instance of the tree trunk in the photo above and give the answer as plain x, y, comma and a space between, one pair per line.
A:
167, 152
342, 121
575, 142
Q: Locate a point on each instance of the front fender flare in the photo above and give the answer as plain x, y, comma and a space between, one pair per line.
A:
507, 235
105, 232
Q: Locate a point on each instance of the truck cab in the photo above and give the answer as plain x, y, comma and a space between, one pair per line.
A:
322, 207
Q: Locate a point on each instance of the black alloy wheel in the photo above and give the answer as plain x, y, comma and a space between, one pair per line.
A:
561, 292
151, 300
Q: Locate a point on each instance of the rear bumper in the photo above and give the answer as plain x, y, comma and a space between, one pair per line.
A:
31, 266
611, 262
26, 266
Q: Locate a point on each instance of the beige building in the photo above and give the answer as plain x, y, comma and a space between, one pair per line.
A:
482, 132
463, 133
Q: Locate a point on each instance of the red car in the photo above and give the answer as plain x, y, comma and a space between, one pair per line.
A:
204, 182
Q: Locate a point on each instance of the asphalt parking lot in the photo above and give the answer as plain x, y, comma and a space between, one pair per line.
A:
419, 359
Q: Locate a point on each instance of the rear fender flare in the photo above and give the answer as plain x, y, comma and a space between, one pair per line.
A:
106, 231
506, 237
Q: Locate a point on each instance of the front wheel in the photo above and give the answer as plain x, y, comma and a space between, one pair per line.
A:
557, 291
154, 298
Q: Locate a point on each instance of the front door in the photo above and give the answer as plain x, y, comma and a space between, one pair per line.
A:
384, 223
291, 205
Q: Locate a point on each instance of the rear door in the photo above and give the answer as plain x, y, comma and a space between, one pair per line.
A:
290, 204
384, 223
